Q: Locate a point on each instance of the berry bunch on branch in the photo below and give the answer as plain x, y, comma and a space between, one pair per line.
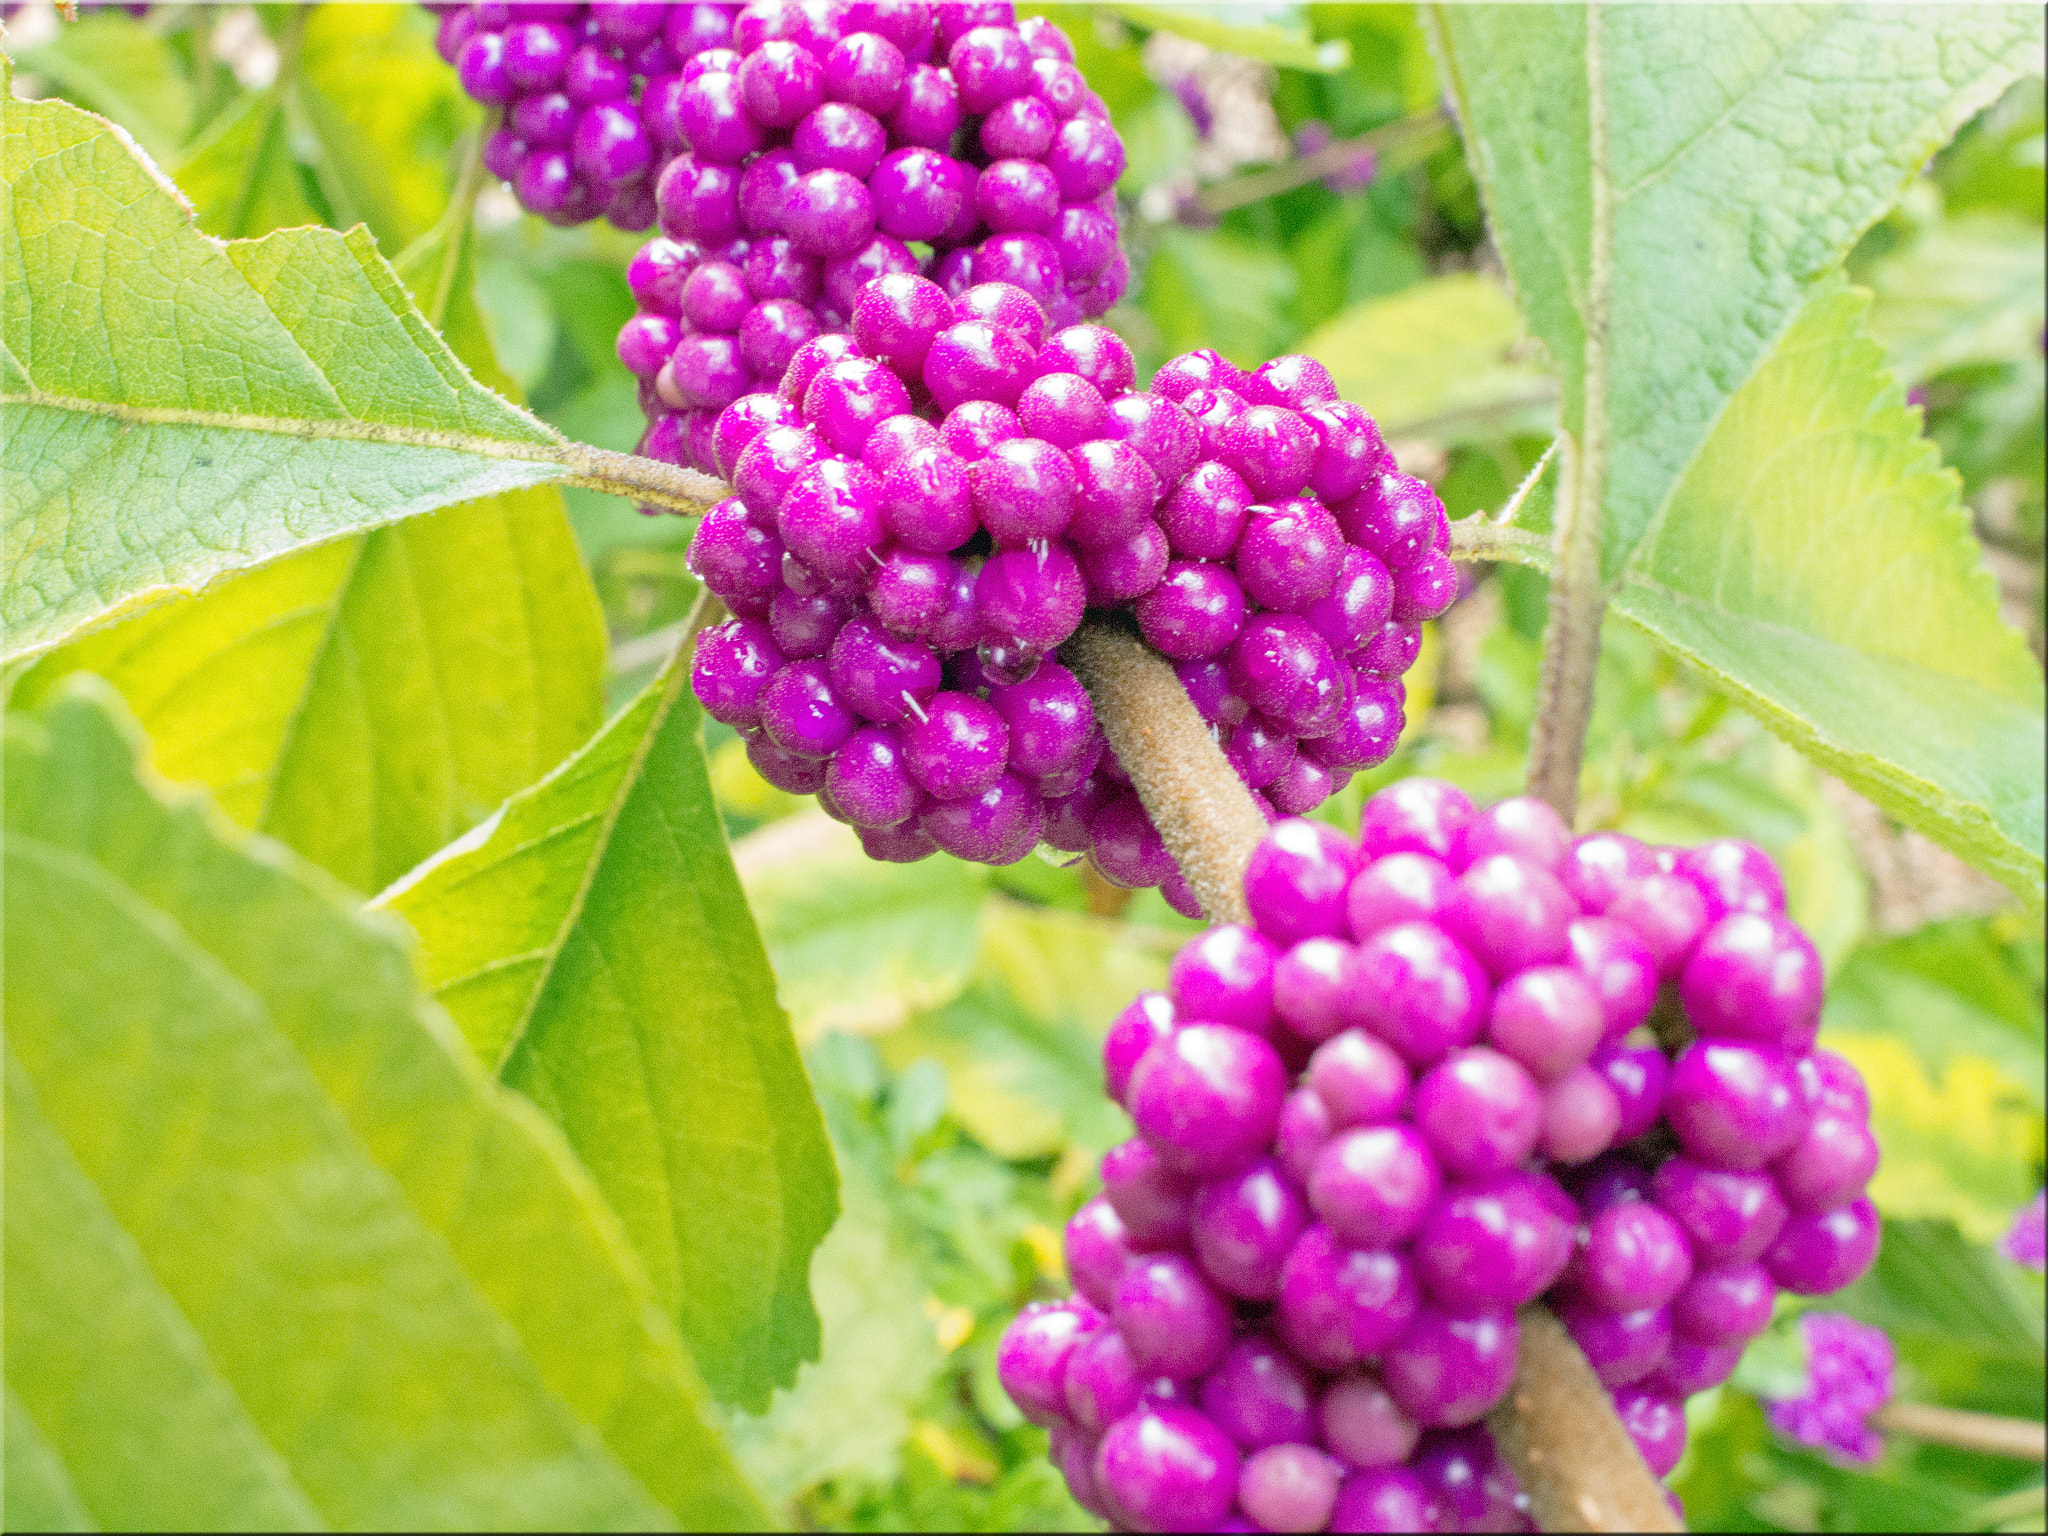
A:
1467, 1150
926, 509
1412, 1162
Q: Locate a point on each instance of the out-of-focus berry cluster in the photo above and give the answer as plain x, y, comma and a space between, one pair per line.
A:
1420, 1092
928, 506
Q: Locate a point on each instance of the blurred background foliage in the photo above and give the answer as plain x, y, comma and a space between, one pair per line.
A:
1293, 184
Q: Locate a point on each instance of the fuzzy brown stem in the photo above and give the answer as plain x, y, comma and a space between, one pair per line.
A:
1201, 808
648, 480
1557, 1429
1556, 1426
1991, 1433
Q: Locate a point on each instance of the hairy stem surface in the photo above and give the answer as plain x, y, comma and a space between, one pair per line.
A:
1201, 808
1571, 637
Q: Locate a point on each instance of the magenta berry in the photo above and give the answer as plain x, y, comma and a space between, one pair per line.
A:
1332, 1243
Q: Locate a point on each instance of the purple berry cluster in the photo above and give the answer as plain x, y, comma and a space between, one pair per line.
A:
928, 506
583, 128
1421, 1092
825, 145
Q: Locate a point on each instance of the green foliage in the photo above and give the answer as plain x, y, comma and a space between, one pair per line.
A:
622, 1279
1637, 217
1751, 441
305, 399
368, 700
226, 1098
858, 945
1270, 44
592, 944
1441, 359
1815, 560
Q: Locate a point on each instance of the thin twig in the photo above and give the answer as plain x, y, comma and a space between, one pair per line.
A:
1556, 1425
1991, 1433
1474, 538
1422, 130
456, 223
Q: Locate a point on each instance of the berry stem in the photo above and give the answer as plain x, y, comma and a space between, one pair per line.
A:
1571, 637
1200, 806
1991, 1433
649, 480
1556, 1426
1473, 538
1557, 1429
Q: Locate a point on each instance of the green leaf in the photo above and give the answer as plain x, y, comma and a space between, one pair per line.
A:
856, 944
367, 701
380, 107
1768, 509
849, 1410
1444, 358
241, 175
132, 74
1699, 284
1969, 290
1022, 1048
1816, 559
199, 408
1947, 1033
1268, 44
227, 1105
593, 945
1930, 1285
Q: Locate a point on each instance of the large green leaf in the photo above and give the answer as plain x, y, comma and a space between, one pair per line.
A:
592, 943
277, 1253
857, 944
1739, 152
1769, 509
368, 700
1817, 560
1443, 358
195, 408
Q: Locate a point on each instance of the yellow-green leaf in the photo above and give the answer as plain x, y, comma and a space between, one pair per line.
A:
277, 1254
593, 945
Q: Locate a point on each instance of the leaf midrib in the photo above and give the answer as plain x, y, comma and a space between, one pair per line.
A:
672, 683
280, 1469
549, 450
64, 862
